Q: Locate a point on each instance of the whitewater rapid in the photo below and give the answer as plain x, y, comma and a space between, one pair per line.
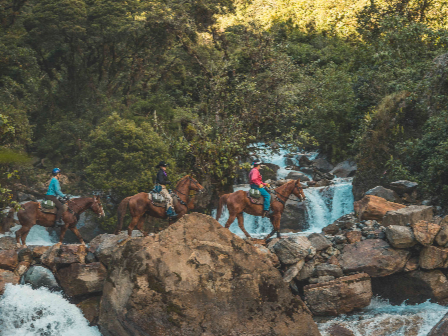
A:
34, 312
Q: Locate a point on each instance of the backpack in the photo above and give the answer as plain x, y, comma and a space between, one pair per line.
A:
47, 204
255, 193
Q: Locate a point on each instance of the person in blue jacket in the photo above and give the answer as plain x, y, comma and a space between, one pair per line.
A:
54, 190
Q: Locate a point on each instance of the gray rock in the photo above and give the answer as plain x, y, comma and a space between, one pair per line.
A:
319, 241
39, 276
90, 258
325, 278
323, 165
292, 249
298, 175
403, 186
345, 168
306, 271
400, 236
409, 215
292, 271
328, 269
294, 216
8, 243
442, 237
387, 194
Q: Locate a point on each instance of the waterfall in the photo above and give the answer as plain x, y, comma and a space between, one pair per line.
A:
28, 312
382, 318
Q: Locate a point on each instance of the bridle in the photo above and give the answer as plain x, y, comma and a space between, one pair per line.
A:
287, 198
77, 212
190, 180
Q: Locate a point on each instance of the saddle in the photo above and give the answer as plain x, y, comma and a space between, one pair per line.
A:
253, 200
47, 206
157, 199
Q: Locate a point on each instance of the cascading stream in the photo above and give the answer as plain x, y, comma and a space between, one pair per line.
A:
29, 312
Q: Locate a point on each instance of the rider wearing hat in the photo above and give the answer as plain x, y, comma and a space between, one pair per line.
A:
162, 179
54, 190
256, 182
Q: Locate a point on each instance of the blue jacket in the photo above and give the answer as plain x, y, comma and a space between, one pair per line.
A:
54, 189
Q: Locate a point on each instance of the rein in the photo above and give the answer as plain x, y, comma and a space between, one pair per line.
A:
276, 193
180, 192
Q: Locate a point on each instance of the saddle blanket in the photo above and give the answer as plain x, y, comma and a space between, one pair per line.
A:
157, 199
258, 201
53, 210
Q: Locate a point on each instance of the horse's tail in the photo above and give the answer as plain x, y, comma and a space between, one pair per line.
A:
222, 203
8, 221
121, 212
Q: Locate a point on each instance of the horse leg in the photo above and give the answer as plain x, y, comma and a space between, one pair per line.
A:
18, 236
241, 224
132, 224
141, 221
230, 220
275, 221
78, 234
24, 235
61, 236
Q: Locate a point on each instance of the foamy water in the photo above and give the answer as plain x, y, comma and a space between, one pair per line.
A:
381, 318
28, 312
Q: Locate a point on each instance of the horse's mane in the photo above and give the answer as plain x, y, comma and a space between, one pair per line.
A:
282, 187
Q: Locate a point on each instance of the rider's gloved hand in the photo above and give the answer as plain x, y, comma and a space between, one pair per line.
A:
267, 185
261, 186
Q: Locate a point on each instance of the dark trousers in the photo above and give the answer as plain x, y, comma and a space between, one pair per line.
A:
58, 205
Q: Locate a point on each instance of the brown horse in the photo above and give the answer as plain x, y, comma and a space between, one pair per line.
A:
238, 202
140, 205
30, 215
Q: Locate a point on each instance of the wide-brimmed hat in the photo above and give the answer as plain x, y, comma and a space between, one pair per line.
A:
257, 162
162, 164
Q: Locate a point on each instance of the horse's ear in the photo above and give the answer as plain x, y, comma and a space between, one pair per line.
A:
298, 181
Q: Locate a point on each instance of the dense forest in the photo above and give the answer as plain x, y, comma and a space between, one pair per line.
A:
105, 89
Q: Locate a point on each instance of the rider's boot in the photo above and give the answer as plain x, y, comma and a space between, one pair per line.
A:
170, 212
60, 222
265, 213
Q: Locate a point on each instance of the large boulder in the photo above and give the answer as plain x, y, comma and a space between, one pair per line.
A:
106, 245
408, 215
323, 165
294, 216
7, 277
82, 279
387, 194
433, 257
9, 259
413, 287
340, 296
90, 309
425, 232
374, 207
319, 242
198, 278
403, 186
39, 276
298, 176
374, 257
269, 171
442, 237
400, 236
59, 256
292, 249
8, 243
345, 168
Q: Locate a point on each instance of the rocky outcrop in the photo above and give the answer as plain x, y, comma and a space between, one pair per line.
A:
387, 194
59, 256
340, 296
432, 257
374, 257
82, 279
408, 215
8, 243
403, 187
197, 278
413, 287
7, 277
39, 276
442, 237
90, 309
319, 242
294, 216
400, 236
323, 165
374, 207
425, 232
345, 168
9, 259
297, 176
292, 249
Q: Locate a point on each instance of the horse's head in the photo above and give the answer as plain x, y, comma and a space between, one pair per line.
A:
298, 190
194, 185
97, 207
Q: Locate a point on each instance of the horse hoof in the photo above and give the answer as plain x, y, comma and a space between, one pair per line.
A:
19, 245
83, 244
24, 246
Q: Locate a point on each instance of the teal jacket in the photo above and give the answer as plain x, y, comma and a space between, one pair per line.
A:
54, 189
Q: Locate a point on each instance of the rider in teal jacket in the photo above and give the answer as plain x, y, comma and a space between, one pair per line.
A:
54, 190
